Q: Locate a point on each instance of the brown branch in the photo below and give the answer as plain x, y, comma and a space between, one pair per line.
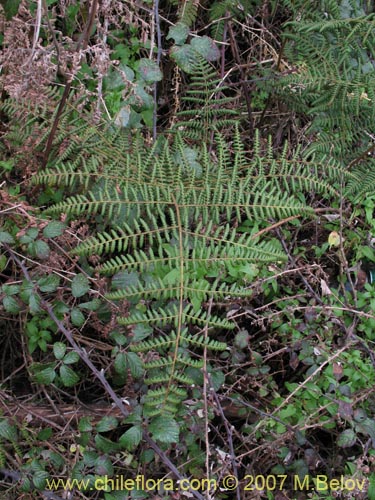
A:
81, 44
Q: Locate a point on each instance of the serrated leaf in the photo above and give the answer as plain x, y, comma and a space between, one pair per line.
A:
185, 57
25, 484
118, 337
41, 249
178, 33
34, 303
10, 289
71, 358
104, 444
241, 340
92, 305
366, 427
123, 116
11, 305
57, 460
8, 431
165, 429
135, 364
53, 229
141, 332
217, 379
45, 434
59, 350
103, 466
120, 364
149, 71
49, 283
6, 237
3, 262
39, 479
45, 376
107, 424
77, 317
131, 438
347, 438
80, 285
84, 424
30, 235
68, 376
206, 47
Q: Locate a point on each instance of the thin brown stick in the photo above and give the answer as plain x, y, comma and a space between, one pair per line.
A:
81, 44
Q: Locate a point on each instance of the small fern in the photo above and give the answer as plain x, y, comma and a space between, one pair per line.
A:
187, 10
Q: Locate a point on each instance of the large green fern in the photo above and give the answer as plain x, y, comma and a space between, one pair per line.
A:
173, 225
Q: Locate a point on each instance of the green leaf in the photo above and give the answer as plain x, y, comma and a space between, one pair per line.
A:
178, 33
41, 249
84, 424
135, 364
25, 484
70, 358
107, 424
92, 305
104, 444
45, 376
241, 340
123, 116
217, 379
371, 487
366, 427
131, 438
3, 262
45, 434
141, 332
103, 466
77, 317
53, 229
149, 71
80, 285
347, 439
185, 57
165, 429
39, 479
30, 235
206, 47
6, 237
49, 283
120, 364
11, 305
10, 289
68, 376
8, 431
59, 350
42, 344
118, 337
34, 303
